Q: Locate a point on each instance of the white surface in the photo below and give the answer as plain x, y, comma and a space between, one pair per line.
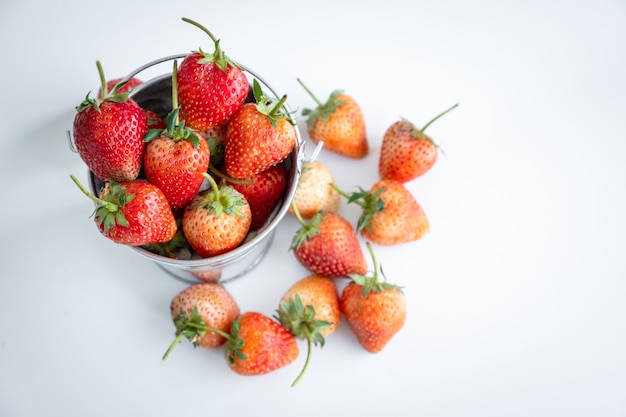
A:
516, 297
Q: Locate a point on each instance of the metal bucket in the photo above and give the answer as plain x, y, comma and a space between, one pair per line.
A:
156, 95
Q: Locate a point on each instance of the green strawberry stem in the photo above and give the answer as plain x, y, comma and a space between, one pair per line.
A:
226, 178
307, 230
192, 330
103, 82
438, 116
371, 203
309, 346
319, 103
175, 90
276, 109
198, 25
373, 283
107, 204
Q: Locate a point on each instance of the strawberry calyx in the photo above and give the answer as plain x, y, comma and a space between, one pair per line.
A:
171, 247
269, 106
307, 230
218, 57
370, 202
221, 199
301, 323
234, 343
113, 198
114, 95
373, 283
323, 110
192, 327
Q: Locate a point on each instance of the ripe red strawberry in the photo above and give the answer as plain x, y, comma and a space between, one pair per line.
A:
390, 215
309, 310
328, 245
407, 152
198, 311
314, 192
374, 310
259, 135
339, 123
217, 220
210, 86
263, 191
108, 134
259, 345
126, 87
175, 159
132, 213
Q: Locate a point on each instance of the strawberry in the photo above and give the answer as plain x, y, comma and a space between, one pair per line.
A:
210, 86
339, 123
108, 134
175, 159
375, 311
125, 87
319, 292
314, 192
406, 152
198, 311
390, 215
263, 191
259, 135
328, 245
259, 345
217, 220
132, 213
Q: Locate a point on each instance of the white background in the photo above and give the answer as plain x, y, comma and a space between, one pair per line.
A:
515, 298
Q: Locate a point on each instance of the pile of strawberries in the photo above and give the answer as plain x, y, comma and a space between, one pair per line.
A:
210, 172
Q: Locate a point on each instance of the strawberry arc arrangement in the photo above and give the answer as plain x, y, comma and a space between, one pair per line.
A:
195, 169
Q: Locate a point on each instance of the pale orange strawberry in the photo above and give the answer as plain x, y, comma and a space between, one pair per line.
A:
390, 215
309, 310
217, 220
314, 192
375, 311
339, 123
200, 313
406, 151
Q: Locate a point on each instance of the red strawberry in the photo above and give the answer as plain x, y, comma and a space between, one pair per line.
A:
259, 135
390, 215
126, 87
309, 310
133, 213
263, 191
259, 345
217, 220
200, 313
374, 310
210, 87
175, 159
314, 192
406, 152
108, 134
339, 123
328, 245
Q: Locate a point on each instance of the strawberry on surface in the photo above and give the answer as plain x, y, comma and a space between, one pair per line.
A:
217, 220
375, 311
210, 86
263, 191
314, 192
339, 123
259, 135
175, 158
328, 245
259, 345
203, 313
390, 215
406, 151
108, 134
132, 213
